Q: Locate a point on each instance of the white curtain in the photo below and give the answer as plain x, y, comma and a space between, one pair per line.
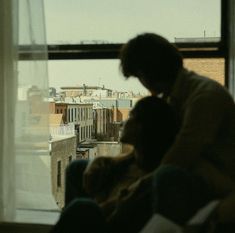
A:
33, 167
8, 82
25, 170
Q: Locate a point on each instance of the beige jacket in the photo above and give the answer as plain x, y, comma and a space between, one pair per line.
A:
207, 116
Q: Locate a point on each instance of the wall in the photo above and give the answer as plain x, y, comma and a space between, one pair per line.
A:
108, 148
61, 150
210, 67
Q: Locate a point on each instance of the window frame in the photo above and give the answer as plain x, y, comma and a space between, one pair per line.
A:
110, 51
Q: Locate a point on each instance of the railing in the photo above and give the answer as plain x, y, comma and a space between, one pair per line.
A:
62, 130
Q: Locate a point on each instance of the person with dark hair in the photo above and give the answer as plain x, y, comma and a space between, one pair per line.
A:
205, 143
113, 181
153, 60
150, 129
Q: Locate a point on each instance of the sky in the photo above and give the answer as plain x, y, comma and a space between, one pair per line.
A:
116, 21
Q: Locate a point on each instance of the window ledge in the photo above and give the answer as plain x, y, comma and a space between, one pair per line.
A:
37, 216
28, 221
6, 227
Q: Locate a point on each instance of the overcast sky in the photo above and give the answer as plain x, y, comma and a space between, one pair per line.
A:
116, 21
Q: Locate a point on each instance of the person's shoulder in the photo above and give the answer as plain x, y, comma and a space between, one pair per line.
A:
202, 85
201, 79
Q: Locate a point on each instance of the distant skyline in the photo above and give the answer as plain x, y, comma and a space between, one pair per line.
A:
76, 21
92, 72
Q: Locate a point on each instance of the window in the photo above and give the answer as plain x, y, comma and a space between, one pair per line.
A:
71, 114
68, 115
78, 114
58, 174
96, 48
94, 22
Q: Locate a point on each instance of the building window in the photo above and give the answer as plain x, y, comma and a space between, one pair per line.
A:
75, 114
68, 115
59, 175
72, 114
81, 133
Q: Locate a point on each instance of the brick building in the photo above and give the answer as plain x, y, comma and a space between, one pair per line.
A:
209, 67
63, 151
103, 123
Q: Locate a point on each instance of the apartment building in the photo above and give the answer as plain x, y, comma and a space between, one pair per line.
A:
103, 123
81, 116
61, 108
120, 107
62, 150
85, 90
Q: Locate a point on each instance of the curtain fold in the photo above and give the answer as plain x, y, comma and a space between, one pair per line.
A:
33, 162
25, 168
8, 82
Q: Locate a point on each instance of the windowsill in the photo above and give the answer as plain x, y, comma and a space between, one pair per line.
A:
11, 227
28, 221
37, 216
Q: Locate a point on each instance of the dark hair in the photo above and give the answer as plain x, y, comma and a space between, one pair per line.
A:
152, 55
155, 114
159, 128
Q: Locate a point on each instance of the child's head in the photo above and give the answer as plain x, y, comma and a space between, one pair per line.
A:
151, 129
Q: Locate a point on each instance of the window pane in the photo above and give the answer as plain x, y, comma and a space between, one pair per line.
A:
112, 21
106, 73
102, 73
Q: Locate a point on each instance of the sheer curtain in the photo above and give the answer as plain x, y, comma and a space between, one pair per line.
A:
33, 169
25, 170
8, 82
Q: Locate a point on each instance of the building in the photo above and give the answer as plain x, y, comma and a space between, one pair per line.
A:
103, 123
81, 116
209, 67
61, 108
63, 151
213, 68
120, 107
92, 91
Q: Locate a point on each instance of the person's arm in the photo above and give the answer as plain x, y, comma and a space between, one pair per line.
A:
201, 123
101, 173
97, 175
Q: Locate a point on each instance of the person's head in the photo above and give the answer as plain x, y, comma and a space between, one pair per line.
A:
152, 59
151, 128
